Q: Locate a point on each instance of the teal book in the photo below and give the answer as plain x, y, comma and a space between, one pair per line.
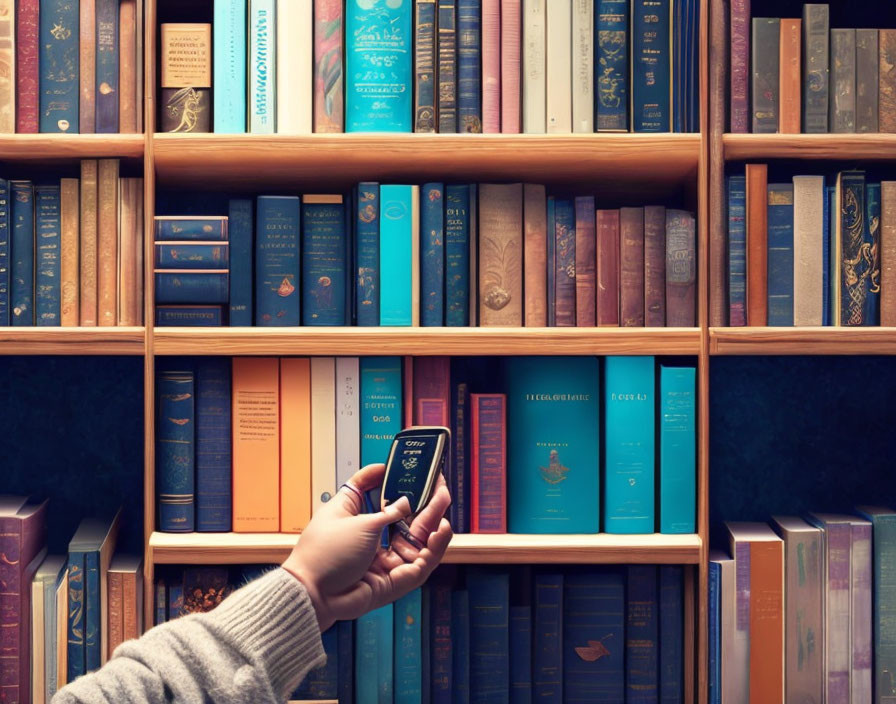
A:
678, 449
871, 246
47, 291
325, 251
432, 255
59, 66
780, 254
192, 255
398, 250
381, 416
553, 469
379, 76
22, 289
277, 263
374, 657
242, 246
629, 437
263, 60
229, 66
457, 255
408, 660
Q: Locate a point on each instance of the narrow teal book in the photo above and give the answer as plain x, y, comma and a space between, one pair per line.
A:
381, 416
641, 635
629, 455
277, 263
47, 287
678, 449
780, 254
242, 250
408, 660
22, 288
489, 591
229, 66
59, 66
553, 469
325, 250
432, 255
374, 657
457, 255
367, 254
192, 255
399, 298
263, 63
671, 634
547, 638
379, 66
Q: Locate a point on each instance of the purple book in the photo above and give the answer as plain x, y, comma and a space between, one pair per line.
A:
860, 616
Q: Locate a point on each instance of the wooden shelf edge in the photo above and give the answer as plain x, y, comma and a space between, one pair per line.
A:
46, 147
769, 341
808, 146
72, 341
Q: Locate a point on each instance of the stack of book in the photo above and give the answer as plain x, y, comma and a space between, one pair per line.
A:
71, 250
525, 455
71, 66
449, 66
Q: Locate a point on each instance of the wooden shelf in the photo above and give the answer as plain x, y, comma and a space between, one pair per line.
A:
72, 341
426, 341
238, 548
57, 147
865, 147
802, 341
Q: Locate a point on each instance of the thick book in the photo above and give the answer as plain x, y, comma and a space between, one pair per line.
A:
535, 235
511, 37
500, 255
460, 646
107, 250
808, 229
348, 418
26, 69
488, 508
47, 293
867, 85
629, 436
425, 83
888, 253
458, 225
367, 254
192, 255
491, 66
407, 643
489, 596
671, 636
631, 267
381, 405
325, 260
189, 286
585, 262
547, 637
608, 267
242, 249
469, 75
432, 255
328, 100
277, 262
175, 450
440, 637
69, 268
447, 51
678, 449
641, 635
654, 266
816, 70
740, 67
843, 81
293, 91
757, 244
5, 250
651, 65
886, 80
213, 408
611, 71
262, 91
780, 254
186, 76
559, 67
765, 60
681, 269
175, 315
59, 60
851, 290
871, 246
107, 75
789, 77
534, 96
323, 430
564, 263
21, 300
229, 66
553, 407
737, 250
583, 43
399, 255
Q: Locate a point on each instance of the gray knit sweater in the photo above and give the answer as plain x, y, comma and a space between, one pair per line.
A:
255, 647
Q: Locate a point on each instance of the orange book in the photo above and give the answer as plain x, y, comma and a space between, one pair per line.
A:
107, 242
789, 75
127, 248
127, 67
295, 444
116, 608
88, 214
256, 445
757, 244
70, 265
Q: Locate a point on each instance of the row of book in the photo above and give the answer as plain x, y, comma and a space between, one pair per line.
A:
811, 251
445, 66
799, 610
431, 255
63, 615
73, 67
792, 75
71, 250
256, 444
561, 634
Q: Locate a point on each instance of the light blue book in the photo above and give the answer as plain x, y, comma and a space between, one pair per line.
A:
379, 82
381, 411
229, 64
408, 660
629, 436
399, 236
263, 60
678, 450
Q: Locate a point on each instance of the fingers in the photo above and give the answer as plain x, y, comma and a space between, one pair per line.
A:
368, 477
412, 574
393, 513
427, 521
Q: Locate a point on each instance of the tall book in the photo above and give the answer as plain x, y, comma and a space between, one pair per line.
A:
737, 250
887, 80
815, 67
888, 253
765, 60
399, 255
425, 82
678, 449
129, 308
547, 641
608, 267
213, 409
277, 263
719, 70
241, 238
559, 67
440, 637
789, 76
175, 450
757, 244
5, 250
325, 261
734, 643
68, 251
47, 293
780, 254
850, 291
564, 263
59, 60
186, 78
521, 651
535, 255
651, 65
808, 228
740, 67
107, 226
611, 73
500, 254
348, 418
631, 268
374, 653
586, 262
489, 596
21, 300
408, 665
460, 646
458, 227
381, 407
843, 81
107, 70
88, 245
860, 608
867, 84
871, 243
229, 65
44, 589
510, 66
26, 71
328, 102
654, 266
432, 255
681, 268
447, 48
7, 67
263, 63
461, 456
469, 76
671, 636
641, 635
583, 66
534, 66
295, 41
491, 66
367, 254
323, 430
489, 466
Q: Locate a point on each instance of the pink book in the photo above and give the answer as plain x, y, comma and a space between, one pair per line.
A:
432, 390
328, 106
510, 66
491, 66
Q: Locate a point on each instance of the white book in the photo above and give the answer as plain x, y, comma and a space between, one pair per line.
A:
535, 81
262, 73
348, 414
583, 66
559, 67
808, 241
295, 42
323, 430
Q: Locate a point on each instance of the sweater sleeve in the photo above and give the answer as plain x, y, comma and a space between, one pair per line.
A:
255, 647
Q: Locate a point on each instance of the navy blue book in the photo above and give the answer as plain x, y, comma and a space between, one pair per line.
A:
671, 634
611, 69
489, 591
322, 683
547, 642
594, 636
214, 497
407, 641
641, 633
469, 72
192, 255
22, 288
346, 652
871, 236
175, 466
92, 612
432, 255
189, 316
715, 633
780, 254
440, 637
459, 464
239, 225
651, 63
692, 106
457, 256
59, 66
367, 257
737, 251
75, 645
552, 263
460, 650
324, 253
195, 227
185, 286
521, 654
107, 88
277, 265
47, 225
564, 236
5, 263
830, 216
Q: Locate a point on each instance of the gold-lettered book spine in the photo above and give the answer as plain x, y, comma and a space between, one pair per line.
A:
70, 231
88, 250
107, 241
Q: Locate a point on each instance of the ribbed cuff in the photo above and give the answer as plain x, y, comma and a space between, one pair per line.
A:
273, 619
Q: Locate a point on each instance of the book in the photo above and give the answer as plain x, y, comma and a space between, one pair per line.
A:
59, 60
367, 254
631, 267
229, 65
887, 80
458, 227
440, 637
447, 48
547, 641
26, 71
22, 241
867, 84
399, 255
851, 289
551, 256
189, 316
611, 71
500, 255
461, 457
583, 45
671, 637
756, 210
407, 643
212, 407
488, 508
714, 617
737, 250
431, 390
44, 586
175, 450
88, 243
843, 80
789, 76
608, 267
830, 292
242, 247
425, 83
469, 77
323, 430
740, 67
374, 642
325, 252
559, 67
381, 402
871, 244
564, 263
520, 652
780, 254
192, 255
7, 68
491, 66
719, 70
128, 57
678, 458
641, 634
262, 93
511, 38
107, 74
860, 608
47, 293
294, 75
535, 234
816, 70
190, 286
107, 226
808, 229
489, 598
277, 263
295, 444
130, 248
765, 60
328, 102
681, 268
432, 255
586, 262
534, 96
210, 228
460, 646
651, 59
654, 266
888, 253
186, 76
5, 250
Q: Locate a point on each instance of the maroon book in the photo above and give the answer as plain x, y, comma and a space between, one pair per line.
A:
432, 390
631, 269
586, 262
27, 68
654, 266
608, 267
488, 507
740, 65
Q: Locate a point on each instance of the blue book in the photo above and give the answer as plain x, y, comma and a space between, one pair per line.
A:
737, 251
22, 288
460, 651
93, 623
5, 259
398, 248
830, 201
214, 496
780, 254
379, 79
441, 659
469, 73
651, 62
521, 654
432, 255
192, 255
59, 66
547, 641
107, 92
629, 456
346, 656
242, 248
189, 316
564, 236
553, 470
175, 460
489, 591
671, 638
611, 69
183, 286
381, 412
263, 60
678, 450
75, 648
408, 660
552, 262
175, 600
321, 683
324, 254
367, 243
47, 287
871, 237
211, 228
715, 632
229, 66
641, 633
692, 68
277, 265
678, 84
457, 255
373, 657
594, 636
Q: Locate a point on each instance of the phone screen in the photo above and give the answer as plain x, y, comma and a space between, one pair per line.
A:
409, 469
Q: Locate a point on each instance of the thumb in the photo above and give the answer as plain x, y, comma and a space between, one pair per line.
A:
392, 513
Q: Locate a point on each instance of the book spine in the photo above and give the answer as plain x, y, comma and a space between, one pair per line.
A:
27, 69
586, 263
175, 461
59, 76
329, 106
348, 431
547, 646
767, 621
681, 268
511, 37
641, 635
500, 255
47, 307
7, 68
367, 234
611, 76
871, 245
765, 61
440, 642
737, 251
12, 618
671, 636
789, 77
491, 66
559, 67
608, 267
886, 81
448, 66
191, 255
651, 60
116, 608
398, 232
457, 255
489, 463
207, 229
808, 227
631, 268
277, 264
565, 263
740, 66
678, 459
263, 79
68, 242
469, 74
853, 289
460, 651
424, 66
837, 604
292, 89
107, 76
719, 69
534, 67
489, 595
295, 444
459, 479
830, 275
583, 66
654, 266
843, 81
189, 316
432, 260
322, 682
239, 225
780, 254
87, 65
407, 643
161, 602
181, 286
229, 65
884, 596
107, 243
324, 250
5, 259
888, 253
860, 665
88, 245
552, 262
715, 633
381, 406
213, 450
521, 654
76, 612
535, 235
323, 430
816, 71
867, 83
22, 288
757, 244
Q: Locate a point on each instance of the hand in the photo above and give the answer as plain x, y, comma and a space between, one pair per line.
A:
339, 558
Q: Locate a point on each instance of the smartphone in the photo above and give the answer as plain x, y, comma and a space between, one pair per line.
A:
416, 458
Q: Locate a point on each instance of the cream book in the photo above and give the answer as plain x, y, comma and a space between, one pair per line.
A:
295, 43
808, 226
583, 66
323, 430
559, 67
535, 79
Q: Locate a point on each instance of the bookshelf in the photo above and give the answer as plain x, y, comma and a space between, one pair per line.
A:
62, 147
72, 341
802, 341
849, 147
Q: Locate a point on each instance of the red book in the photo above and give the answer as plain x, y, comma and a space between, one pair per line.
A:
586, 261
510, 66
488, 509
608, 267
491, 66
27, 68
740, 65
631, 274
432, 390
654, 266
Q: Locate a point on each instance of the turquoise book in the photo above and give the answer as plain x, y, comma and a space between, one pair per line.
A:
678, 449
406, 641
21, 299
229, 66
277, 264
398, 249
47, 311
871, 236
380, 407
325, 253
263, 60
553, 445
432, 255
367, 254
373, 657
379, 78
629, 438
59, 66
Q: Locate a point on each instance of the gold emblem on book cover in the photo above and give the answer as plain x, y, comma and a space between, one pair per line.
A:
555, 472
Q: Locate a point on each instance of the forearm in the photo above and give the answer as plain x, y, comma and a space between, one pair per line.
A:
256, 646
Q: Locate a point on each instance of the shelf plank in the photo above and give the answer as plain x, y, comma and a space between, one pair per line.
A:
802, 341
602, 548
72, 341
55, 147
425, 341
867, 147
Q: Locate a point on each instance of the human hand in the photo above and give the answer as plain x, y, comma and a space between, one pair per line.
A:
339, 558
